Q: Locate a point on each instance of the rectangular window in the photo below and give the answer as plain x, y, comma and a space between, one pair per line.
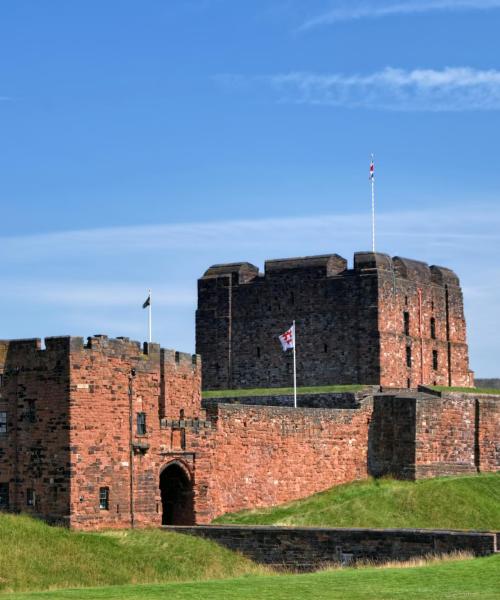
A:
4, 495
30, 497
408, 356
31, 412
433, 328
141, 423
104, 498
435, 360
406, 317
3, 422
258, 351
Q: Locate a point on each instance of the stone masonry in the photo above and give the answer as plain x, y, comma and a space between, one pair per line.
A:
387, 321
110, 434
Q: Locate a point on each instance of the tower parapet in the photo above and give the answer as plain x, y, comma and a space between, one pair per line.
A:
387, 321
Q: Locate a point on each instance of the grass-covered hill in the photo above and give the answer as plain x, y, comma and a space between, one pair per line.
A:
450, 580
442, 503
34, 556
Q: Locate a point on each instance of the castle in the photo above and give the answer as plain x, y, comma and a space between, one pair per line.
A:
108, 433
391, 322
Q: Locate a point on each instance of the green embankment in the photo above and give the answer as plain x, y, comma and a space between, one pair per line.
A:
460, 580
281, 391
447, 502
34, 556
465, 390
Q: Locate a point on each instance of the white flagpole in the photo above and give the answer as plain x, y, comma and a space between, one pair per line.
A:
373, 208
294, 367
150, 319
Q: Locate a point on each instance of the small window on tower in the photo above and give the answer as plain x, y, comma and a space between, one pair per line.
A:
104, 498
325, 348
30, 497
141, 423
4, 495
258, 351
435, 360
433, 328
406, 318
3, 423
408, 356
31, 412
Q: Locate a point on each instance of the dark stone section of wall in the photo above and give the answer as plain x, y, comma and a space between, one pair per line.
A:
238, 322
393, 322
327, 400
392, 441
309, 549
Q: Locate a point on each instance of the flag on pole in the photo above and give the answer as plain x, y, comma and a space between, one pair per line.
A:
147, 302
287, 339
372, 170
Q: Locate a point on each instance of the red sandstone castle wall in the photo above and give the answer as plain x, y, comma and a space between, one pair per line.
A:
445, 436
112, 381
34, 450
425, 294
488, 422
262, 456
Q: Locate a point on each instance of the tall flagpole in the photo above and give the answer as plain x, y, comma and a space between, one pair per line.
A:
150, 319
372, 178
294, 368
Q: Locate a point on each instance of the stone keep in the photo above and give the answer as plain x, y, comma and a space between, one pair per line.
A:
387, 321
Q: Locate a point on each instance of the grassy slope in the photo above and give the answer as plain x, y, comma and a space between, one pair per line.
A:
442, 388
479, 578
34, 556
448, 502
281, 391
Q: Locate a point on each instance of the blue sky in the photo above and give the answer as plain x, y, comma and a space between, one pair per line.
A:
143, 141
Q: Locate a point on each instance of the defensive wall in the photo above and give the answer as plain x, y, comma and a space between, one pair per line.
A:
308, 549
386, 321
109, 433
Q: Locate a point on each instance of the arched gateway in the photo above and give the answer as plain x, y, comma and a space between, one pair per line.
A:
176, 488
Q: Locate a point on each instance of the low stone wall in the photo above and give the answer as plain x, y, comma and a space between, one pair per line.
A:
308, 549
313, 400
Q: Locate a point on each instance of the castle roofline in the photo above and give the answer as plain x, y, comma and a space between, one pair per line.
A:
334, 264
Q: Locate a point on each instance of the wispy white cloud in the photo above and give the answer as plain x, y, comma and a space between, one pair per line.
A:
94, 281
377, 10
449, 89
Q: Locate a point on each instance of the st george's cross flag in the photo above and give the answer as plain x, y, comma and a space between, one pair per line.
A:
287, 339
372, 170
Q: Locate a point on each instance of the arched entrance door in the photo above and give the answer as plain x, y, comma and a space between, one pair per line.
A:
176, 496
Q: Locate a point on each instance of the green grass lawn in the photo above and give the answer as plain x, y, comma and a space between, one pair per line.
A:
34, 556
281, 391
469, 579
447, 502
442, 388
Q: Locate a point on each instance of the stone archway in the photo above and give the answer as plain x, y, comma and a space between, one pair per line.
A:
176, 488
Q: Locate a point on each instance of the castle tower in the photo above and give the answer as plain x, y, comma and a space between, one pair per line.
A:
388, 321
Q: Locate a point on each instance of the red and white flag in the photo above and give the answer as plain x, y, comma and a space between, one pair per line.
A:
287, 339
372, 170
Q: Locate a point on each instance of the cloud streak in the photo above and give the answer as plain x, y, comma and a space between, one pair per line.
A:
95, 280
356, 12
450, 89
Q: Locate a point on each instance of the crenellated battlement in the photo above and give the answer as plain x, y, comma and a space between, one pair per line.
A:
333, 265
387, 320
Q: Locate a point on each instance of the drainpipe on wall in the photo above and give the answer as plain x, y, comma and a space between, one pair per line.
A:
131, 445
421, 336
